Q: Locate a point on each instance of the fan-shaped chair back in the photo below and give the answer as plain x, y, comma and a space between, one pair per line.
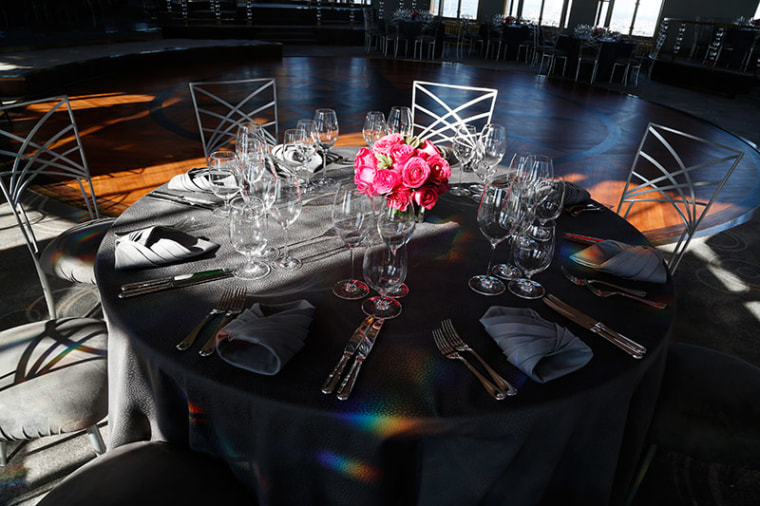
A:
221, 106
439, 110
681, 170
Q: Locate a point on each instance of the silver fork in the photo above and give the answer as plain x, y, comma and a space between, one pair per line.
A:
450, 353
456, 342
221, 307
236, 307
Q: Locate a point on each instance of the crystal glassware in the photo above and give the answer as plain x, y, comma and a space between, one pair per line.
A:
326, 124
223, 174
491, 146
351, 218
533, 250
383, 270
400, 121
463, 147
374, 127
285, 209
247, 235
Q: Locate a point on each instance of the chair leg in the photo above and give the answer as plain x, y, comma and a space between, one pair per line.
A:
96, 439
3, 454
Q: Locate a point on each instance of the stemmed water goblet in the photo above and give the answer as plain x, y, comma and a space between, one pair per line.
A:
533, 250
247, 236
351, 218
310, 141
400, 121
374, 127
326, 126
493, 225
395, 227
285, 209
223, 176
383, 270
491, 146
463, 147
292, 152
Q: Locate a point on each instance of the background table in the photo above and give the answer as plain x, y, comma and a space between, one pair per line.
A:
418, 429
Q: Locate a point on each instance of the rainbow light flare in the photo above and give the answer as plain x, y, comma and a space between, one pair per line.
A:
353, 468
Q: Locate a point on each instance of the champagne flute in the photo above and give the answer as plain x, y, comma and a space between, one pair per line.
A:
326, 124
251, 153
400, 121
533, 251
285, 209
383, 270
463, 147
395, 227
495, 198
247, 235
374, 127
264, 189
517, 211
309, 142
223, 176
351, 216
491, 146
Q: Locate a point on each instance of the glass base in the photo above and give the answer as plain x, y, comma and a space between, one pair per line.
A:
526, 288
252, 271
400, 291
351, 289
459, 190
288, 263
221, 212
383, 308
476, 191
486, 285
506, 271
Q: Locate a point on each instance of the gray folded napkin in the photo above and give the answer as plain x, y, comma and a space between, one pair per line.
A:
541, 349
575, 194
624, 260
157, 245
194, 180
284, 156
264, 338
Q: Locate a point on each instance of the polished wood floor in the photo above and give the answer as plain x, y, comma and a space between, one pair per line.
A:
139, 128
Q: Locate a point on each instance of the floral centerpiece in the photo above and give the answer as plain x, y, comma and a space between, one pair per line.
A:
403, 170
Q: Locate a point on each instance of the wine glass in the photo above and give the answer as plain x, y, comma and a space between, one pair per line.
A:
395, 227
533, 250
285, 209
251, 152
400, 121
351, 216
223, 177
247, 235
292, 151
491, 146
463, 147
326, 125
383, 270
264, 189
374, 127
495, 228
549, 198
517, 211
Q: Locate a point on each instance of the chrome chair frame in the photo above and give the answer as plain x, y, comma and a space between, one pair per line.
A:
443, 122
222, 116
654, 180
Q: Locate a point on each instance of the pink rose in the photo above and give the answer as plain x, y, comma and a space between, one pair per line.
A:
399, 199
426, 196
415, 172
365, 158
385, 181
428, 148
401, 153
442, 187
386, 144
363, 178
440, 170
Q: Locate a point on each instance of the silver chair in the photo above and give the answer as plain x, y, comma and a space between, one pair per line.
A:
222, 106
588, 54
679, 170
439, 110
49, 146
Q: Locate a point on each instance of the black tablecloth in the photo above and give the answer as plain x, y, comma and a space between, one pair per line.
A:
418, 429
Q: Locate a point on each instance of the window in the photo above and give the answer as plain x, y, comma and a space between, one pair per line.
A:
551, 15
464, 8
635, 17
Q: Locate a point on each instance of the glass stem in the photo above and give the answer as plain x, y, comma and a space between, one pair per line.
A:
351, 256
285, 248
490, 259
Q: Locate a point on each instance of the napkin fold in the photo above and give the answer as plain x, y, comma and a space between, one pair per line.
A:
575, 194
157, 245
286, 156
624, 260
264, 338
194, 180
541, 349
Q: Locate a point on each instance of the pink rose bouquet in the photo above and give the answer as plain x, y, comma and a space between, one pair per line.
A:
403, 170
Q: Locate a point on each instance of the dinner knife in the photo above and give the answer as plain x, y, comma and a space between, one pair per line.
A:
361, 354
169, 279
177, 282
179, 199
348, 352
631, 347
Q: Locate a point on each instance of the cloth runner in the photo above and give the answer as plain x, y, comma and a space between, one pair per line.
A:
264, 338
541, 349
624, 260
158, 245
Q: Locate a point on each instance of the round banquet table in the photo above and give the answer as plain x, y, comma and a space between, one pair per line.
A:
417, 429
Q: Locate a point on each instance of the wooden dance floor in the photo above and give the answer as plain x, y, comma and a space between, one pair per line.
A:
139, 128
